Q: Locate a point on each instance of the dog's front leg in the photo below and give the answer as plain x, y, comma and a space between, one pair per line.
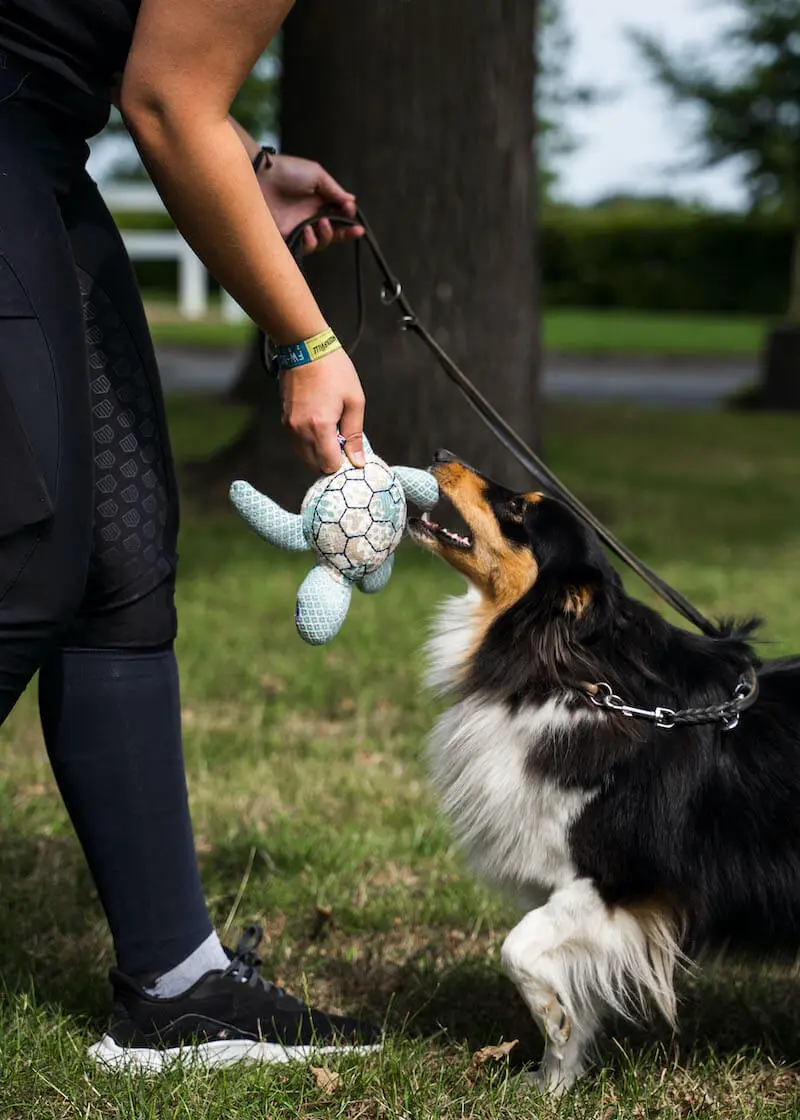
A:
544, 957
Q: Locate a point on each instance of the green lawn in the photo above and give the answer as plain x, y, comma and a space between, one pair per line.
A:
566, 331
664, 334
313, 816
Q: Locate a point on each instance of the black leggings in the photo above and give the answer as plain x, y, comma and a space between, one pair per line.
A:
88, 522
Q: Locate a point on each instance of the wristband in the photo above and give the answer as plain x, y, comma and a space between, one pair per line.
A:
263, 158
309, 350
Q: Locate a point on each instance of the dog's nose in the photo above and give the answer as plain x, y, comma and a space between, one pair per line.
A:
444, 456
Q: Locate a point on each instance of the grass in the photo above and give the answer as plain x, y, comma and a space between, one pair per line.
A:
652, 334
313, 816
597, 333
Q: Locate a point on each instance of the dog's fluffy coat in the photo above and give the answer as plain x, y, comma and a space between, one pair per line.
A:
630, 846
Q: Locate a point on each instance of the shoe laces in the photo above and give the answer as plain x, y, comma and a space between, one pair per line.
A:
245, 963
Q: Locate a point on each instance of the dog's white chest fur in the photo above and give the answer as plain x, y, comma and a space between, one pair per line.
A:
513, 823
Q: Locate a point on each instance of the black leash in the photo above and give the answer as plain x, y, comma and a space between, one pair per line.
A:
392, 294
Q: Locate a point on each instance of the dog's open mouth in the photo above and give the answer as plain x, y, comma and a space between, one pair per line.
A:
424, 529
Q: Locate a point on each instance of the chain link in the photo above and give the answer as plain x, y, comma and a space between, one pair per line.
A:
727, 714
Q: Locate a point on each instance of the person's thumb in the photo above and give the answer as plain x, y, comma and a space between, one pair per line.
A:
351, 427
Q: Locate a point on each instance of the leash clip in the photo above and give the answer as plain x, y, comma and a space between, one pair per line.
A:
390, 294
605, 697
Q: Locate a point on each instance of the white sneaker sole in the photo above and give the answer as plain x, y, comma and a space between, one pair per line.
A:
211, 1055
214, 1054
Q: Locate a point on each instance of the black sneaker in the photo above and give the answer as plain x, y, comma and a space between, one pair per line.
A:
226, 1017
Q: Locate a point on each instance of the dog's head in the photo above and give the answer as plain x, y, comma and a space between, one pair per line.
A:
541, 572
514, 542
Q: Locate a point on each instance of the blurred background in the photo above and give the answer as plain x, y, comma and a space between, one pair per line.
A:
612, 215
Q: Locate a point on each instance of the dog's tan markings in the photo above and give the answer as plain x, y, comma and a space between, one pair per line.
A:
501, 571
577, 601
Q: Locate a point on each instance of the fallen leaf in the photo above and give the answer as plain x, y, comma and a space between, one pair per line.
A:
326, 1079
488, 1054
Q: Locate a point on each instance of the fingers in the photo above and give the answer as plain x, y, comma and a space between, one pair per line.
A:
309, 240
326, 445
317, 442
324, 234
324, 231
334, 194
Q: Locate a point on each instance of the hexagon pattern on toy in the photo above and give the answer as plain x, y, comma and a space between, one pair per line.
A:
355, 518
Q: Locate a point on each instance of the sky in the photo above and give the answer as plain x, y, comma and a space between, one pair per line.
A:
637, 140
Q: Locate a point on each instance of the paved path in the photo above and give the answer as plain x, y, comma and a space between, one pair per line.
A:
684, 383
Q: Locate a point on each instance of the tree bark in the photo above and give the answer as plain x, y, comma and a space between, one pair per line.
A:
426, 112
794, 297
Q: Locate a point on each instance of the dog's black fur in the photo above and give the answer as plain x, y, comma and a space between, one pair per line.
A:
707, 820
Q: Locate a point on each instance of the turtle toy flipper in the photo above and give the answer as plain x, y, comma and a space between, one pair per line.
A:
322, 604
420, 486
268, 519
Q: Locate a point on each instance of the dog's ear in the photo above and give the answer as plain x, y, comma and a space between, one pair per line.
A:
574, 572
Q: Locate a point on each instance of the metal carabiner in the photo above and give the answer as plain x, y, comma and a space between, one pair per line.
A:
389, 294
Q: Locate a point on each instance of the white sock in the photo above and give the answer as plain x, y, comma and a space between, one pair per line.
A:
207, 957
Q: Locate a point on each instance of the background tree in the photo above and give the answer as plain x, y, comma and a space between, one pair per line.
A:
751, 113
424, 111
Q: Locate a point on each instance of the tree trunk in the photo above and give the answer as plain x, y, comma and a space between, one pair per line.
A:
794, 296
779, 389
426, 112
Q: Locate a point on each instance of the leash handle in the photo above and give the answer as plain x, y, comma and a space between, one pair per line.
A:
392, 293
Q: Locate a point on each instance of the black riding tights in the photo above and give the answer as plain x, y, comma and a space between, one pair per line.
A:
88, 524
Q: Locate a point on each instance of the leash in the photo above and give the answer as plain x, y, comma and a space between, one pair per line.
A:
392, 294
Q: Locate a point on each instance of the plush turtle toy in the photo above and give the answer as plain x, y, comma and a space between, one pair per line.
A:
353, 520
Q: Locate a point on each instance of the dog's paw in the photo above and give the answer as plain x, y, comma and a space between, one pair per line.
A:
550, 1079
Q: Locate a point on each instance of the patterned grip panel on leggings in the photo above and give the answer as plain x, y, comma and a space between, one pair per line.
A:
131, 505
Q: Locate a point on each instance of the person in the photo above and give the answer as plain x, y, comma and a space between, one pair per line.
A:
88, 503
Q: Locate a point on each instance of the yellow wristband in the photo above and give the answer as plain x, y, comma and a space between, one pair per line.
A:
309, 350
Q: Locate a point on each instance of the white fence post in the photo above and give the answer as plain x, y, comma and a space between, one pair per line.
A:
192, 285
167, 244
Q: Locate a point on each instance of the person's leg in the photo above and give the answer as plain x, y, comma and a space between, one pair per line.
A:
111, 714
45, 441
109, 695
109, 690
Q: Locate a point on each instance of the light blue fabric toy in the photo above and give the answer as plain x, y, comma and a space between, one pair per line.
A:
353, 520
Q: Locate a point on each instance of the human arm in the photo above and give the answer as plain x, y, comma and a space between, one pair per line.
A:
187, 61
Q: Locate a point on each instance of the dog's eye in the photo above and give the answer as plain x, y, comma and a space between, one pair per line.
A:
516, 508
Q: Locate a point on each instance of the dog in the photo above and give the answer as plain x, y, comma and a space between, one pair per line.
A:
632, 842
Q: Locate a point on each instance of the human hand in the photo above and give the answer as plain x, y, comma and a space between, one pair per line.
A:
295, 189
322, 400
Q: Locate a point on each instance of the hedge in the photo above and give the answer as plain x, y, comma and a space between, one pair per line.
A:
678, 261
